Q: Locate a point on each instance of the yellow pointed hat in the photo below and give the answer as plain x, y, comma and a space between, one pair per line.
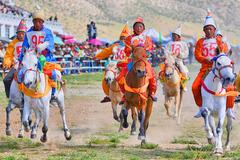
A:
125, 31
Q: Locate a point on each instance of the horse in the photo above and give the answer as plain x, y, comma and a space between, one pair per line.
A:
115, 93
172, 89
213, 91
136, 86
37, 82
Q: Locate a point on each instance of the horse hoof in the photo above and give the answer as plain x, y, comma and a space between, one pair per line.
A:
211, 141
218, 152
133, 133
8, 132
141, 138
33, 136
20, 136
125, 124
143, 142
43, 139
68, 136
116, 118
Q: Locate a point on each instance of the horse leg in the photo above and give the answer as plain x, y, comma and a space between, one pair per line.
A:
166, 104
114, 110
26, 113
229, 129
123, 117
38, 117
9, 108
141, 118
61, 107
45, 124
147, 116
134, 118
21, 130
213, 129
218, 144
206, 115
179, 107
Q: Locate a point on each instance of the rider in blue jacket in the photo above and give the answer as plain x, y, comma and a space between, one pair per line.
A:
36, 35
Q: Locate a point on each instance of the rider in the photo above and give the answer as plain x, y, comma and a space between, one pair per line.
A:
141, 40
205, 50
12, 53
179, 50
117, 50
36, 35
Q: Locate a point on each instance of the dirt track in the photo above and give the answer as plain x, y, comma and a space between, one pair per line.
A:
86, 116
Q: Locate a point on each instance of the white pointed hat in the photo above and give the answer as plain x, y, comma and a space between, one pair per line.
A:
178, 30
209, 20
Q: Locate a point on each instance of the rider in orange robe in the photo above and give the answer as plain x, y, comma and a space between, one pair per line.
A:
117, 51
138, 39
205, 50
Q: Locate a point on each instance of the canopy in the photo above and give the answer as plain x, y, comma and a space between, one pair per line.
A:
95, 42
69, 41
58, 40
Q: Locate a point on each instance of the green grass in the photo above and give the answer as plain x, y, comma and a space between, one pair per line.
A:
183, 140
149, 146
83, 78
10, 143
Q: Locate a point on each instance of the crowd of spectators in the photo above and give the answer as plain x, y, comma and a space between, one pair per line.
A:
13, 10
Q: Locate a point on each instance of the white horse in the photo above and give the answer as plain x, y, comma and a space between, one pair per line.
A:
35, 80
115, 93
215, 83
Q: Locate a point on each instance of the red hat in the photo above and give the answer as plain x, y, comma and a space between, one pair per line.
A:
139, 20
22, 27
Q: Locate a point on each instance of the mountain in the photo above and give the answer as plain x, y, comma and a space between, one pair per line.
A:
163, 15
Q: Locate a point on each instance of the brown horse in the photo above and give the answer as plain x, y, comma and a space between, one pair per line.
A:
172, 87
136, 86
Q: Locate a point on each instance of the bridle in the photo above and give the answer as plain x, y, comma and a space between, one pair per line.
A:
37, 75
218, 70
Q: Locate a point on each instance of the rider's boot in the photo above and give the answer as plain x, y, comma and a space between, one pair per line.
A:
105, 99
199, 113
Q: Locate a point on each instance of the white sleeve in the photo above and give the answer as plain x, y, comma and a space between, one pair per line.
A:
184, 51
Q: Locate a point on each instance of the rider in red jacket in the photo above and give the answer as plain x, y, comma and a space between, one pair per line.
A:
140, 40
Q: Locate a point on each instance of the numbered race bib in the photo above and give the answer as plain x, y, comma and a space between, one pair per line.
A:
119, 53
35, 38
17, 49
209, 48
176, 48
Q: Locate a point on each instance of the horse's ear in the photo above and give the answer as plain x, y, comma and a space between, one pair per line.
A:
24, 50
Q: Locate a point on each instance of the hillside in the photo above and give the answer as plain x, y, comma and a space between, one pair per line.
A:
163, 15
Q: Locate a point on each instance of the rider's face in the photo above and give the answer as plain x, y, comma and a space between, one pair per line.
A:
209, 31
38, 24
20, 36
138, 28
176, 37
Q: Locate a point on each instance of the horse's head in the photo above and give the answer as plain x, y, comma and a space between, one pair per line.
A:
111, 72
223, 68
30, 67
140, 61
169, 66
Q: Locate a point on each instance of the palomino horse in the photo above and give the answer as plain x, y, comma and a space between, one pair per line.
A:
172, 87
114, 91
36, 81
214, 100
136, 86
